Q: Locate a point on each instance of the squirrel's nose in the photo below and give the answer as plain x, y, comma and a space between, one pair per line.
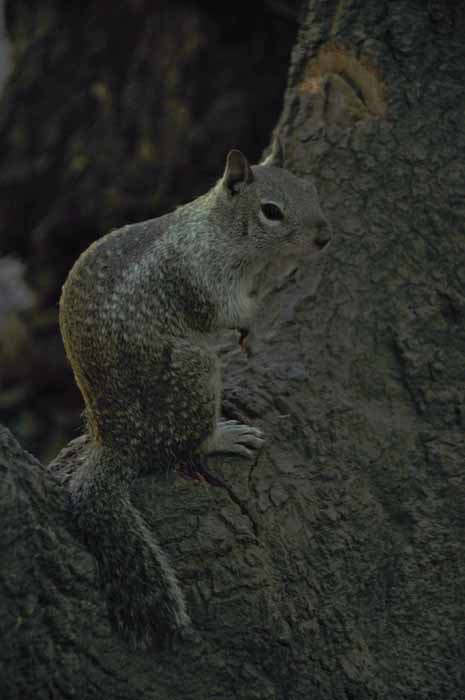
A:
323, 234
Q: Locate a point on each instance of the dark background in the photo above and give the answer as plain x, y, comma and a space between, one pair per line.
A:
114, 112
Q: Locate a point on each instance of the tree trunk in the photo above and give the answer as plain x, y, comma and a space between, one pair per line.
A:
334, 567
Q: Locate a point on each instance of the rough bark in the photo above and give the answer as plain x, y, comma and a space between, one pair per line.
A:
334, 567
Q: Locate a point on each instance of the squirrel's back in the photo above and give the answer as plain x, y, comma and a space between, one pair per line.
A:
100, 282
125, 300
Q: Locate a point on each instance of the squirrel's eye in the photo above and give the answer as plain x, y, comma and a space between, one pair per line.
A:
272, 211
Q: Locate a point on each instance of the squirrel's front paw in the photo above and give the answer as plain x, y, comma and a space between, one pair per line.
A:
235, 437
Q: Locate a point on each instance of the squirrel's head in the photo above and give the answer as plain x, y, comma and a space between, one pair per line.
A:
274, 223
275, 213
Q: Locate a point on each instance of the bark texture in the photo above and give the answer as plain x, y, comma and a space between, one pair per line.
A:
333, 567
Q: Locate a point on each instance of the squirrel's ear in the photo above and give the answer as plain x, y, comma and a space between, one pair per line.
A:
276, 155
237, 172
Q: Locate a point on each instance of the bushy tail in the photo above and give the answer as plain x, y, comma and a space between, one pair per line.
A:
144, 600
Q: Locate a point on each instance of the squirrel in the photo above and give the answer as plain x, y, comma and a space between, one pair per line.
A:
136, 312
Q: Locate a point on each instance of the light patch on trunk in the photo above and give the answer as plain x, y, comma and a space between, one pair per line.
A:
346, 88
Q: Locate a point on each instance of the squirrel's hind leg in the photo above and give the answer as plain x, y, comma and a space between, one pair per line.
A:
198, 390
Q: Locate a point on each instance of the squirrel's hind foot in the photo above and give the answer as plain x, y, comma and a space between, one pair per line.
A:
236, 438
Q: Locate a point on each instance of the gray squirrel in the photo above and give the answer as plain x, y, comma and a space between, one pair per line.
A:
136, 312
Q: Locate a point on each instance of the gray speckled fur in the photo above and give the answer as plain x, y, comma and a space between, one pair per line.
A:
135, 313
